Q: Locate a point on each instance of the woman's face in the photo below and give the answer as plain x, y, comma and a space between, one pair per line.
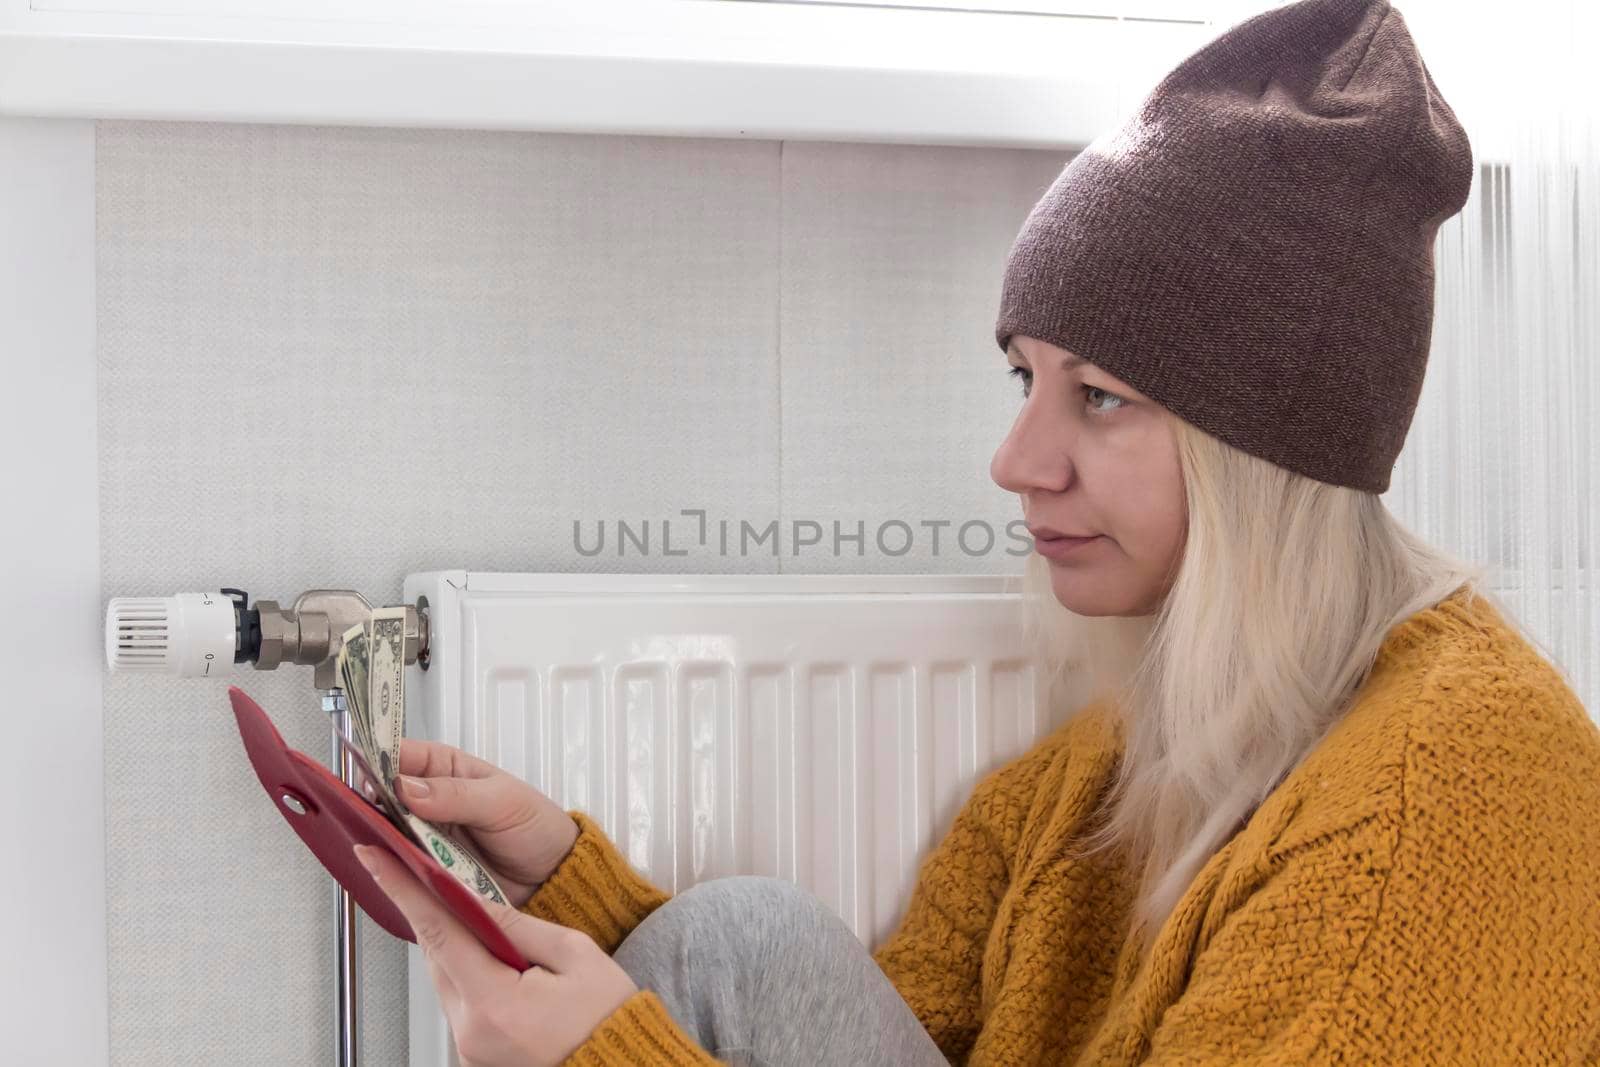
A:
1089, 454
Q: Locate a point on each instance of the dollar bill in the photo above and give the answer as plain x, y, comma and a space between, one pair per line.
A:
371, 665
454, 857
386, 703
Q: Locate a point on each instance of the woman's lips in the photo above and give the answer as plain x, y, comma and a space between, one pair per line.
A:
1062, 547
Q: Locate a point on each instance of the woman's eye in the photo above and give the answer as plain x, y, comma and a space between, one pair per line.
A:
1089, 390
1102, 392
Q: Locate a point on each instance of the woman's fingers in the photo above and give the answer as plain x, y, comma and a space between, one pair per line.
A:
449, 996
487, 804
556, 948
429, 759
470, 969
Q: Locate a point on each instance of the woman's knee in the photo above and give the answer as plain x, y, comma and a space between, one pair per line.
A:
743, 913
731, 928
749, 902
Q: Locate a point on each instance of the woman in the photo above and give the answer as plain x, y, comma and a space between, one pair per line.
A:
1321, 802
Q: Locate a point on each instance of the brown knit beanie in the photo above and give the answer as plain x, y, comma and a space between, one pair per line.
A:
1254, 248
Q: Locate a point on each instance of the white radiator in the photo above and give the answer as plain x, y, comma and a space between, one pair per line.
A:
823, 729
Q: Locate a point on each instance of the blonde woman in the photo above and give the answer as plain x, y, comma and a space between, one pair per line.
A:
1319, 799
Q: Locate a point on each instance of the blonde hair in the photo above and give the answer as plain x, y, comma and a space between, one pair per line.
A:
1285, 590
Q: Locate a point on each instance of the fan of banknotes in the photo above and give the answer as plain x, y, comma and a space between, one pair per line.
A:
372, 667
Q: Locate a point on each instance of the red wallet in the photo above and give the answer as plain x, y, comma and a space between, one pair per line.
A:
337, 819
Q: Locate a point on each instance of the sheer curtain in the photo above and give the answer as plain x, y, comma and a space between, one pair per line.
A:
1502, 464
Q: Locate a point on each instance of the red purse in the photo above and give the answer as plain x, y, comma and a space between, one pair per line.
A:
336, 819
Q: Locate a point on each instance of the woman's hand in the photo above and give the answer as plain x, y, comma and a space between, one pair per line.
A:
498, 1017
519, 832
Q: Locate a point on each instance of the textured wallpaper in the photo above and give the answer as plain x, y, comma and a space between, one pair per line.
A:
334, 356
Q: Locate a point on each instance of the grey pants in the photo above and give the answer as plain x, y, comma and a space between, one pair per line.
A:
762, 973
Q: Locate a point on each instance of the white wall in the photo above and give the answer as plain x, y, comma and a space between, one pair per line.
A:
53, 986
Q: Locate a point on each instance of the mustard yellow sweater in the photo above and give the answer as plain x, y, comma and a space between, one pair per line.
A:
1424, 888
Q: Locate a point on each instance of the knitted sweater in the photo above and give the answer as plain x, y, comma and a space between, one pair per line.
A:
1423, 888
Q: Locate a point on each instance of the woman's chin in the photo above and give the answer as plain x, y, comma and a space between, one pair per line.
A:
1084, 592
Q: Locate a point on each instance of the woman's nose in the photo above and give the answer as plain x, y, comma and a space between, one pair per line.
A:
1032, 457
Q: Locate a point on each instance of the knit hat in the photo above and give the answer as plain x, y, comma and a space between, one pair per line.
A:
1253, 249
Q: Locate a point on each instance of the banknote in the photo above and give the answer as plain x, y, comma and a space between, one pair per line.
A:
455, 858
386, 703
371, 666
